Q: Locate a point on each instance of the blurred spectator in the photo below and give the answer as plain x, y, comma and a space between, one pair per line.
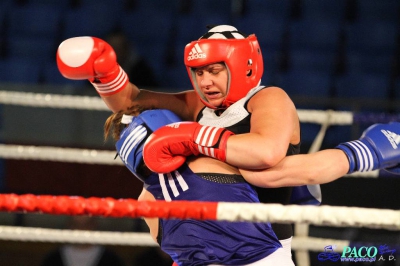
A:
138, 70
82, 254
153, 256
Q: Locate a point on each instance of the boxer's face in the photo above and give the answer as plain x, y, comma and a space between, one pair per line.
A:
213, 82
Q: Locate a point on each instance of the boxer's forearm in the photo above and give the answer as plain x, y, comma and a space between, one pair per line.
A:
303, 169
123, 99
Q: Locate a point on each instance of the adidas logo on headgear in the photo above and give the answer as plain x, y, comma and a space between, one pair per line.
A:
215, 32
196, 53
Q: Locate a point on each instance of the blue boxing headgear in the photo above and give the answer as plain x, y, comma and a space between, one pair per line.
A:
133, 137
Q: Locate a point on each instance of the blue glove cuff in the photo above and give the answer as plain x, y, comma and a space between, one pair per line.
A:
361, 155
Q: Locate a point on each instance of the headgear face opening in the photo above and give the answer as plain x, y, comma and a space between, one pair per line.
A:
240, 53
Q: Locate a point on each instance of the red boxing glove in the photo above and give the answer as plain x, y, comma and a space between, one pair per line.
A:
94, 59
166, 149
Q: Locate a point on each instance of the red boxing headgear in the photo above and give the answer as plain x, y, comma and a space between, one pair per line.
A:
241, 55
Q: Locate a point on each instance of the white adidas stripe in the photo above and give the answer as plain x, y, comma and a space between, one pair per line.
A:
396, 138
369, 158
212, 137
164, 187
206, 136
392, 137
211, 152
181, 181
364, 155
114, 85
205, 133
202, 150
361, 156
130, 139
172, 185
137, 135
198, 49
200, 135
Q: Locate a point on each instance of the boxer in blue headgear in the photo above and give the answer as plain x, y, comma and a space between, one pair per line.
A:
238, 243
193, 242
132, 138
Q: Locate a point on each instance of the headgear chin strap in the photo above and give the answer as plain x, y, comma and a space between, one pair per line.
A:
240, 53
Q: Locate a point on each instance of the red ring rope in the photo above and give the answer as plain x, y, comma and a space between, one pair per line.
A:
76, 205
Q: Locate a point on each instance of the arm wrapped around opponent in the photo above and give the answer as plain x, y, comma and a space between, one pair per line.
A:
165, 150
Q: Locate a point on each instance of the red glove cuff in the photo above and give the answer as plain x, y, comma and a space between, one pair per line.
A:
212, 141
111, 84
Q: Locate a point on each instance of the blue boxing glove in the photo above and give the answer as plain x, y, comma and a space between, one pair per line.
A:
132, 138
378, 148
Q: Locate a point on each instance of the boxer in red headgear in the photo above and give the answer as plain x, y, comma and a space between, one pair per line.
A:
241, 55
241, 127
250, 129
236, 123
224, 65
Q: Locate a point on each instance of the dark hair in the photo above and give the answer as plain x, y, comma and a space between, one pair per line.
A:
113, 125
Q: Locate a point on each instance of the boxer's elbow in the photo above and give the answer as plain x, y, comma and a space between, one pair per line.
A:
271, 157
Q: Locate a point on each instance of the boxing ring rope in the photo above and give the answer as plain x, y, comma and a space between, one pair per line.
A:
109, 207
70, 155
86, 156
218, 211
17, 233
302, 216
96, 104
52, 100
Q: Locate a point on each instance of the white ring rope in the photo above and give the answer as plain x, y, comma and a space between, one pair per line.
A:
52, 100
16, 233
95, 103
70, 155
310, 214
319, 117
87, 156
